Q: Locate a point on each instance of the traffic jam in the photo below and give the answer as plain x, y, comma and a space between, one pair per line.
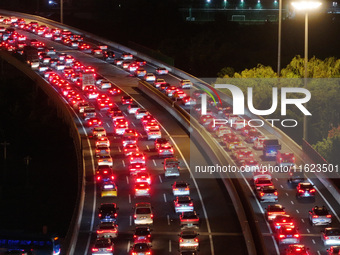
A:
92, 96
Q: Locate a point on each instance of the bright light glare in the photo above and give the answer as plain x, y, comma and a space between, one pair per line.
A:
306, 5
208, 1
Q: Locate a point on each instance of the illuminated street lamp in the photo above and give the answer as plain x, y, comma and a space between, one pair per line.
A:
306, 6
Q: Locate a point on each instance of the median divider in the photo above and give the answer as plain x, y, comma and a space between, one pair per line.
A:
67, 115
246, 215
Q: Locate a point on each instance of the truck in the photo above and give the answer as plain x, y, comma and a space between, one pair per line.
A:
87, 79
270, 148
31, 57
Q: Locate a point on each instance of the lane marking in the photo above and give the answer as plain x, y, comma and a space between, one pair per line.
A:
147, 146
169, 245
308, 230
297, 211
154, 162
313, 241
128, 247
130, 220
292, 202
119, 149
130, 202
95, 186
107, 124
133, 124
303, 220
281, 186
123, 162
164, 197
168, 218
160, 179
287, 194
127, 179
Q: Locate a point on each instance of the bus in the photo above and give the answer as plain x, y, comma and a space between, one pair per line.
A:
29, 243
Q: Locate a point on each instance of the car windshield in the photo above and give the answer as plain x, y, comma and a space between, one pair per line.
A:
142, 231
189, 216
288, 231
333, 232
106, 226
102, 243
181, 185
143, 211
189, 235
306, 186
321, 211
141, 247
275, 209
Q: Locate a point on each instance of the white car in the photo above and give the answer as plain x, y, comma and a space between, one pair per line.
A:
331, 236
183, 204
107, 230
104, 84
143, 214
132, 108
102, 150
105, 160
103, 246
180, 188
162, 70
137, 157
154, 133
103, 141
98, 132
188, 240
150, 77
142, 189
140, 113
185, 84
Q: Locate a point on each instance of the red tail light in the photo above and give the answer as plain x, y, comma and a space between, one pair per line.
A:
301, 191
297, 235
315, 216
329, 216
275, 193
181, 240
100, 215
135, 216
94, 249
115, 214
109, 249
196, 240
191, 204
281, 236
151, 216
312, 190
262, 194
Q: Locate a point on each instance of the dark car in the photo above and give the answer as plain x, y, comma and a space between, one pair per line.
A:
108, 212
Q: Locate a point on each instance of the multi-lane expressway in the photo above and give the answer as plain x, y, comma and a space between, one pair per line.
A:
220, 230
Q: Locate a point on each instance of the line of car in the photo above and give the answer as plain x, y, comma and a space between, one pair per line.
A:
66, 78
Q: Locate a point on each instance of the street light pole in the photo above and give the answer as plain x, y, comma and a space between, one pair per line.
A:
305, 121
279, 40
61, 11
4, 144
306, 6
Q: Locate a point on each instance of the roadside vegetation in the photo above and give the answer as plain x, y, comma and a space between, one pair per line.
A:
324, 124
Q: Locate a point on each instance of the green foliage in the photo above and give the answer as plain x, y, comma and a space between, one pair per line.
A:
328, 68
324, 104
329, 148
